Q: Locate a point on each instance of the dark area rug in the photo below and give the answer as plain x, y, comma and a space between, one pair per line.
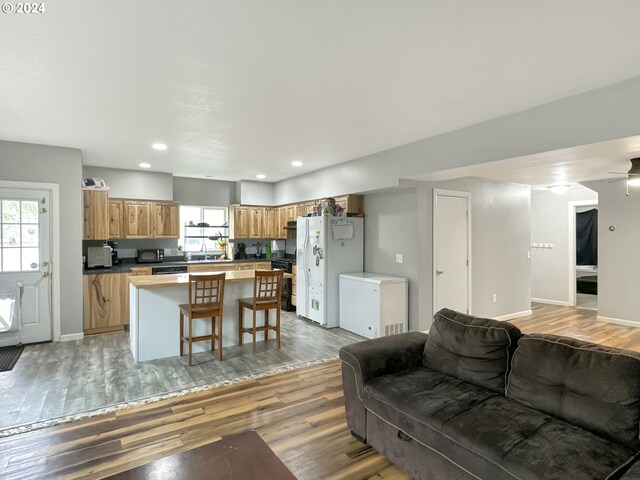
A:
9, 356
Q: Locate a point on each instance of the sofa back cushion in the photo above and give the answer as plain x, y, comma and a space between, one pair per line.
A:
470, 348
591, 386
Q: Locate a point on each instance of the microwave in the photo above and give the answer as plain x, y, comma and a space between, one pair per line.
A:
99, 256
150, 255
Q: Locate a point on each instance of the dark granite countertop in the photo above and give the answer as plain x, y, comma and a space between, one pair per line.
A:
128, 263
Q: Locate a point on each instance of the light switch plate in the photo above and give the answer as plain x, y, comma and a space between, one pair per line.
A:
399, 258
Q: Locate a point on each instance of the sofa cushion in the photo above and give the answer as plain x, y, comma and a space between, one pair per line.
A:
588, 385
530, 444
487, 434
470, 348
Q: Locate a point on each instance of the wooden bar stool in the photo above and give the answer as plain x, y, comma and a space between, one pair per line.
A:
206, 298
267, 292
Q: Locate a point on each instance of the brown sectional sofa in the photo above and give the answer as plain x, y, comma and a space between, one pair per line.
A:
476, 399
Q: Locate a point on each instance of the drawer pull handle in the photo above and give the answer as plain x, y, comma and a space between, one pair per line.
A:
403, 436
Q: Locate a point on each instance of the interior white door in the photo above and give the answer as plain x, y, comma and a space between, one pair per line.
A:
451, 251
25, 256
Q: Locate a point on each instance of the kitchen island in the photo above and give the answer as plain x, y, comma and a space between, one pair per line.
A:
154, 315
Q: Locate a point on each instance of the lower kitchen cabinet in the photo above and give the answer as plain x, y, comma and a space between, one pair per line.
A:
106, 302
294, 286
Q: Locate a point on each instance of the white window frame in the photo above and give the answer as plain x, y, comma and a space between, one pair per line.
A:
182, 242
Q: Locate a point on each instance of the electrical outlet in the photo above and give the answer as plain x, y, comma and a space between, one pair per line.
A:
495, 298
399, 258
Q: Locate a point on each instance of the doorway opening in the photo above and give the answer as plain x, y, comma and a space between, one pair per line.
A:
583, 254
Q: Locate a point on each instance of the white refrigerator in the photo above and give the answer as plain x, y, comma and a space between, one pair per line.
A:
326, 247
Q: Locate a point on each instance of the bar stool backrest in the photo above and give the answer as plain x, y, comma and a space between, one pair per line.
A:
206, 290
267, 286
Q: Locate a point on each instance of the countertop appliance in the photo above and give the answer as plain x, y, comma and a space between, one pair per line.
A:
373, 305
169, 269
285, 264
99, 256
114, 253
150, 255
326, 246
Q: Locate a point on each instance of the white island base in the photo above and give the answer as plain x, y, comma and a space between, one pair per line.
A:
154, 324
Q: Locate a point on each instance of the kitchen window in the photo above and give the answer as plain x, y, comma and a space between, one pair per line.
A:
192, 238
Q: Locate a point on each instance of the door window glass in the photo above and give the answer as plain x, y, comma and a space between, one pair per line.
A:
19, 235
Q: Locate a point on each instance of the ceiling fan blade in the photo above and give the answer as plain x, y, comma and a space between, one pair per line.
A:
619, 173
618, 179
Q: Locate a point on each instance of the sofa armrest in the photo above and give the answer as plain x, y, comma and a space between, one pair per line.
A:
382, 356
366, 360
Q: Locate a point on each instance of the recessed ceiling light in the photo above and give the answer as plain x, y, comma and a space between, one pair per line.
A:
296, 163
145, 165
261, 176
159, 146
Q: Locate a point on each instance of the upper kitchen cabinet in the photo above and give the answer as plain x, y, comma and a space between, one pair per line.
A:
238, 221
256, 222
96, 214
137, 219
301, 210
351, 203
166, 219
116, 213
271, 225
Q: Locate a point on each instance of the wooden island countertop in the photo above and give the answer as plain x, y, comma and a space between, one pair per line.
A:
174, 280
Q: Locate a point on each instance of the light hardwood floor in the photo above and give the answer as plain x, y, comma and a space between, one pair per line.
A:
65, 378
300, 414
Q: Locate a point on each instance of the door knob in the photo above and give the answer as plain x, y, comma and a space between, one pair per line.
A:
439, 272
45, 274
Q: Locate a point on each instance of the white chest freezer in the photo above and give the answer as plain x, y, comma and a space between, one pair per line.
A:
373, 305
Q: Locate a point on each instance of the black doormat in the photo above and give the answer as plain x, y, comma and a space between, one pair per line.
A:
9, 356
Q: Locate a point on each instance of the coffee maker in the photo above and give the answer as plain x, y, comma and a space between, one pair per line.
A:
242, 254
114, 253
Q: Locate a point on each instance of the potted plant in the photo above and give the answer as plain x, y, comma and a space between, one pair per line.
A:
222, 242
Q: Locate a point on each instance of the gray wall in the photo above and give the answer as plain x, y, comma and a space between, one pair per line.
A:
201, 192
256, 193
550, 224
618, 259
134, 183
501, 232
595, 116
41, 163
391, 227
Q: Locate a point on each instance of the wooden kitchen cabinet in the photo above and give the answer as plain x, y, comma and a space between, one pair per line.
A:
294, 286
136, 271
300, 210
166, 219
287, 214
137, 219
105, 302
96, 214
116, 215
256, 222
351, 203
238, 221
271, 223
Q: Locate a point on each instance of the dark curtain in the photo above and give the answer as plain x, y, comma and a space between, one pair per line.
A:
587, 237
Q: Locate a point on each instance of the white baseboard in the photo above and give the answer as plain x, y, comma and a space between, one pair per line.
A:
550, 302
71, 336
511, 316
618, 321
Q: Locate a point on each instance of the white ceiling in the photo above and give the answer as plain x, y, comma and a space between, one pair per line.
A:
237, 88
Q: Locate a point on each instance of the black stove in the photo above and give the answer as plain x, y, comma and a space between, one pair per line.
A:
285, 264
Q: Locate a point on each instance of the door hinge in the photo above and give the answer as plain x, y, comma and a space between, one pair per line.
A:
467, 262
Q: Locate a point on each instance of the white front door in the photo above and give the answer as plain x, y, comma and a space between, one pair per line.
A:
451, 251
25, 260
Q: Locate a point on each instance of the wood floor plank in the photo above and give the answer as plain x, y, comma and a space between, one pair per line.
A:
299, 413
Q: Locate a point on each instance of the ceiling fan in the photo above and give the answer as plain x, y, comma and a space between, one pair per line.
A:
632, 176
